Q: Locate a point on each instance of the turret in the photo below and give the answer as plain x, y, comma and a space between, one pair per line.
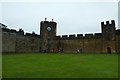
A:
108, 30
48, 34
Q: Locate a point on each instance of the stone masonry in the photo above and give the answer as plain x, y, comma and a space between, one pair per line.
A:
108, 41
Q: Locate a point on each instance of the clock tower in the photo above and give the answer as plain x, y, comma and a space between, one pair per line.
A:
48, 34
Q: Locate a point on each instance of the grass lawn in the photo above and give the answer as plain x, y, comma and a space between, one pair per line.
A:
60, 66
0, 66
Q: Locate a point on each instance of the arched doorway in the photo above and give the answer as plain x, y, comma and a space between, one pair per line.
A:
108, 50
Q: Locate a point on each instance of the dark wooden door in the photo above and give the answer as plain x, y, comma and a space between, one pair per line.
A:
108, 50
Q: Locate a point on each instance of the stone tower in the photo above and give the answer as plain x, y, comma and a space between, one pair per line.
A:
108, 30
48, 34
108, 34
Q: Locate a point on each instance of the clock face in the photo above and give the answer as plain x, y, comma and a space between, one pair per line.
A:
49, 28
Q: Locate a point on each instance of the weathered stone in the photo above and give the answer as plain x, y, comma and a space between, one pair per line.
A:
108, 41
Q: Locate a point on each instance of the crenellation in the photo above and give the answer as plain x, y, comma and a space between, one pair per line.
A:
13, 31
20, 32
97, 35
117, 32
107, 23
79, 36
52, 22
72, 36
47, 41
102, 24
113, 22
5, 29
45, 21
32, 35
58, 37
29, 34
89, 36
65, 37
2, 25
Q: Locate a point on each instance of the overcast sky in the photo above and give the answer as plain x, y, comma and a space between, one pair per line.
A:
71, 17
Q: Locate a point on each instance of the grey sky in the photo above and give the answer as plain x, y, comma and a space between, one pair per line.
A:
71, 17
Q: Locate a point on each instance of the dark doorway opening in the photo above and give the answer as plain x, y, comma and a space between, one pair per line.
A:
108, 50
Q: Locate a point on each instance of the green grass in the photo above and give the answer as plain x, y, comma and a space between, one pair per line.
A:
60, 66
0, 66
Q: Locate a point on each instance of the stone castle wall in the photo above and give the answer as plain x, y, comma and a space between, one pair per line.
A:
108, 39
25, 43
15, 42
8, 42
117, 43
88, 43
18, 41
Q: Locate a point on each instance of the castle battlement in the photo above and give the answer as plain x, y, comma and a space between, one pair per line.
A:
58, 37
2, 25
47, 21
20, 32
32, 35
117, 32
88, 36
64, 37
44, 21
47, 41
98, 35
108, 23
5, 29
72, 36
13, 31
79, 35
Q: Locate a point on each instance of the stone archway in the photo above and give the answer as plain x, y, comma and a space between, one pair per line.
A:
109, 50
